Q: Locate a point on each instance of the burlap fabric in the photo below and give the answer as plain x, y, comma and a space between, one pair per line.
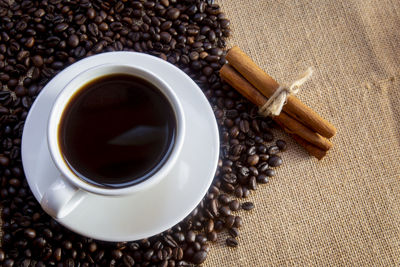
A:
345, 209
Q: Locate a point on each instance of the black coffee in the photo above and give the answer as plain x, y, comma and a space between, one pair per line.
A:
117, 131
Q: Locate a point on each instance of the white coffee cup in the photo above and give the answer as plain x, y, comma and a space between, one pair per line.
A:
68, 190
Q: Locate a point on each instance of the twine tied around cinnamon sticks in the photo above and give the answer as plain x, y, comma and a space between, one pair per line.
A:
275, 103
309, 129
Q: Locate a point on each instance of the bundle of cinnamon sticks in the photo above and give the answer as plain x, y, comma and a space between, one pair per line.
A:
309, 129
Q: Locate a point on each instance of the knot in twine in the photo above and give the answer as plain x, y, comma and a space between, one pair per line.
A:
275, 103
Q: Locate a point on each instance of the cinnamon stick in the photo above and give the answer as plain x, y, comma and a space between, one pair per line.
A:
311, 149
232, 77
267, 86
306, 133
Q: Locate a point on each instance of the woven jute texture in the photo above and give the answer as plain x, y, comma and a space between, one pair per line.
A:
345, 209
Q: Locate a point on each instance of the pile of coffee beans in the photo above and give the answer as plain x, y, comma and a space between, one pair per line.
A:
39, 38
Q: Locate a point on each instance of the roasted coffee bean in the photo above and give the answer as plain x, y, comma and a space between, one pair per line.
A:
281, 144
103, 27
244, 126
30, 233
275, 161
258, 140
233, 232
234, 205
229, 221
264, 157
231, 242
165, 37
127, 260
209, 226
201, 239
4, 77
207, 71
244, 171
35, 73
229, 188
57, 254
234, 132
253, 160
246, 191
270, 172
177, 253
48, 233
4, 161
253, 170
263, 166
3, 110
213, 236
232, 113
238, 222
251, 151
169, 240
248, 205
99, 255
37, 61
262, 149
57, 65
116, 254
229, 178
252, 183
237, 150
116, 26
214, 208
225, 211
8, 263
194, 56
224, 199
61, 27
189, 252
91, 13
190, 237
238, 192
202, 54
224, 23
12, 83
166, 25
179, 236
273, 150
262, 179
199, 257
22, 55
67, 245
173, 13
39, 242
2, 255
73, 40
93, 29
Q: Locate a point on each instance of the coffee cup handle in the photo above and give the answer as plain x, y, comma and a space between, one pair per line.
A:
61, 198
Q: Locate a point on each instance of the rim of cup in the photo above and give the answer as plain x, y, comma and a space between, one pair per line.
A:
80, 81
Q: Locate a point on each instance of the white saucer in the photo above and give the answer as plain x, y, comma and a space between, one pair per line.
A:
145, 213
